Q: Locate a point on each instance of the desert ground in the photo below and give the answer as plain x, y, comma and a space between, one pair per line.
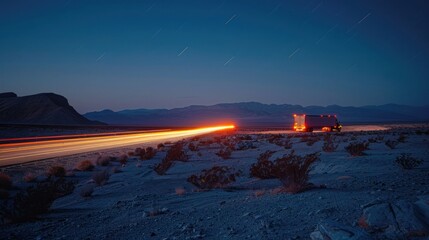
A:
377, 189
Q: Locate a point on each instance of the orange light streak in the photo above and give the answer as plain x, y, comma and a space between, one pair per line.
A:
14, 153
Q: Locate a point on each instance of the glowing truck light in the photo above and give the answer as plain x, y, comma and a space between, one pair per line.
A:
308, 123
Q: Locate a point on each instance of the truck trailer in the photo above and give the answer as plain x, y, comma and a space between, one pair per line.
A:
308, 123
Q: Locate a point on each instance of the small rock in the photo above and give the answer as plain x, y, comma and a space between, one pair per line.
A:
336, 231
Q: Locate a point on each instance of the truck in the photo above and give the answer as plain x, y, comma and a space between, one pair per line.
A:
308, 123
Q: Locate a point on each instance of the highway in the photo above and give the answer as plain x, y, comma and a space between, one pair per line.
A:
21, 152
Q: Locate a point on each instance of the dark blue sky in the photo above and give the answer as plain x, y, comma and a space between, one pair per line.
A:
165, 54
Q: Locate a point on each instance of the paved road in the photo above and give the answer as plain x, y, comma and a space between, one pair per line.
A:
20, 152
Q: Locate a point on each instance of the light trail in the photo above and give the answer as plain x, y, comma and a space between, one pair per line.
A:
14, 153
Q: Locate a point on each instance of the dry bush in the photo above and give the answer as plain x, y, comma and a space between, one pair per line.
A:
163, 166
85, 165
264, 168
225, 153
391, 144
175, 153
312, 140
280, 140
5, 181
357, 149
407, 162
160, 146
123, 159
192, 147
29, 177
402, 138
101, 178
131, 154
56, 171
215, 177
86, 191
293, 170
245, 137
139, 151
103, 161
35, 200
329, 144
147, 154
273, 138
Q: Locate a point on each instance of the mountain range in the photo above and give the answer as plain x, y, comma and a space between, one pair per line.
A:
39, 109
53, 109
257, 114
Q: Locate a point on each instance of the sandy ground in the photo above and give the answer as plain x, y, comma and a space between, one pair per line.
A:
137, 203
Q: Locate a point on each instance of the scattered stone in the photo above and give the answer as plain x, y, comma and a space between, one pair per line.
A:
422, 209
393, 220
336, 231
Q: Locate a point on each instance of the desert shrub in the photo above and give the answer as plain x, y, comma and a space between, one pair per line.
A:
131, 154
224, 153
264, 168
287, 144
280, 140
192, 147
56, 171
103, 160
148, 154
123, 159
406, 161
274, 137
138, 151
35, 200
163, 166
101, 178
5, 181
215, 177
391, 144
244, 145
402, 138
311, 141
293, 171
176, 153
86, 191
357, 149
85, 165
329, 144
245, 137
29, 177
265, 156
160, 146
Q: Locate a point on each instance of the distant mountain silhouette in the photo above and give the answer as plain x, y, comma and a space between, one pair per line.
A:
257, 114
43, 108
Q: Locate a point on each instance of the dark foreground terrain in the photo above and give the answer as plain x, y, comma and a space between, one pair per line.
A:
364, 185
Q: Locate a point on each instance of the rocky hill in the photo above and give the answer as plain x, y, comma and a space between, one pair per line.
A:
41, 109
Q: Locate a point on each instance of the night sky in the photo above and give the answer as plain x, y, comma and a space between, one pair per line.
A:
166, 54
